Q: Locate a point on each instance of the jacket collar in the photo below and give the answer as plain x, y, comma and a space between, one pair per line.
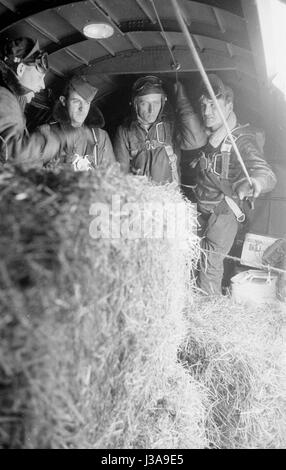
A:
216, 138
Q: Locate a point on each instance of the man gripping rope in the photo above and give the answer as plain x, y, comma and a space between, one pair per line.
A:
221, 185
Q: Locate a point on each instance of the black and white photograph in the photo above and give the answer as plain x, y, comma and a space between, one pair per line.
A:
142, 227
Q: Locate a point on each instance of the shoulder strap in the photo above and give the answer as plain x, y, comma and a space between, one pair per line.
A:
164, 131
95, 148
226, 147
173, 163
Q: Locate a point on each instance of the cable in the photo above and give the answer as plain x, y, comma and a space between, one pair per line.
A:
258, 265
200, 66
175, 65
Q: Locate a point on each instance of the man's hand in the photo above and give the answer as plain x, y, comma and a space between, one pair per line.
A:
179, 89
45, 129
244, 189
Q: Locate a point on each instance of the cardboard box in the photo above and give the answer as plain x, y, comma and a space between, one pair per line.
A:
253, 248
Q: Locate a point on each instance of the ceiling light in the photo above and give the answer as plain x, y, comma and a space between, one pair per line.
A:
98, 30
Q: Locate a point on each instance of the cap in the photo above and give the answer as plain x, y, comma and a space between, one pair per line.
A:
24, 50
218, 87
147, 85
81, 86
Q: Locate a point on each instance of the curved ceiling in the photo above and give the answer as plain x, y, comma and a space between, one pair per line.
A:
224, 32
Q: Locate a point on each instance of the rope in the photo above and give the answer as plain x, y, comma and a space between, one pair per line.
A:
175, 65
205, 78
258, 266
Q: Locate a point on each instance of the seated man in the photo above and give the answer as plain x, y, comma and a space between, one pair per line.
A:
221, 185
75, 109
148, 142
22, 72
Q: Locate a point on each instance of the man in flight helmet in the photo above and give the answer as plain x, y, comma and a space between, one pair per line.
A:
147, 142
221, 189
22, 72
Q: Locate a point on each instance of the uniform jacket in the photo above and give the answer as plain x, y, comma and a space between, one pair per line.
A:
144, 152
219, 172
98, 149
16, 143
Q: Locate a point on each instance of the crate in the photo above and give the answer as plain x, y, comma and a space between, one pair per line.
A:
253, 248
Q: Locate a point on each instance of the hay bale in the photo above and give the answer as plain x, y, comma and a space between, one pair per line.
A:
90, 327
237, 352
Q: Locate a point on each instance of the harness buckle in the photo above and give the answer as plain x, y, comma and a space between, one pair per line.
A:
172, 157
151, 144
160, 126
203, 161
240, 218
214, 164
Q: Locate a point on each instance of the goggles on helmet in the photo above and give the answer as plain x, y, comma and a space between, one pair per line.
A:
149, 81
37, 58
40, 61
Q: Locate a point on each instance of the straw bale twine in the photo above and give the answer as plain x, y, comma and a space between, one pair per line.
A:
90, 327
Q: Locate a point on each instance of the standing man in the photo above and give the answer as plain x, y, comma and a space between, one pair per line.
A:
147, 143
74, 110
22, 72
222, 189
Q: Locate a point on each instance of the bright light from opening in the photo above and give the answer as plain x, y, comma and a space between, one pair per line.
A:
98, 30
272, 15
